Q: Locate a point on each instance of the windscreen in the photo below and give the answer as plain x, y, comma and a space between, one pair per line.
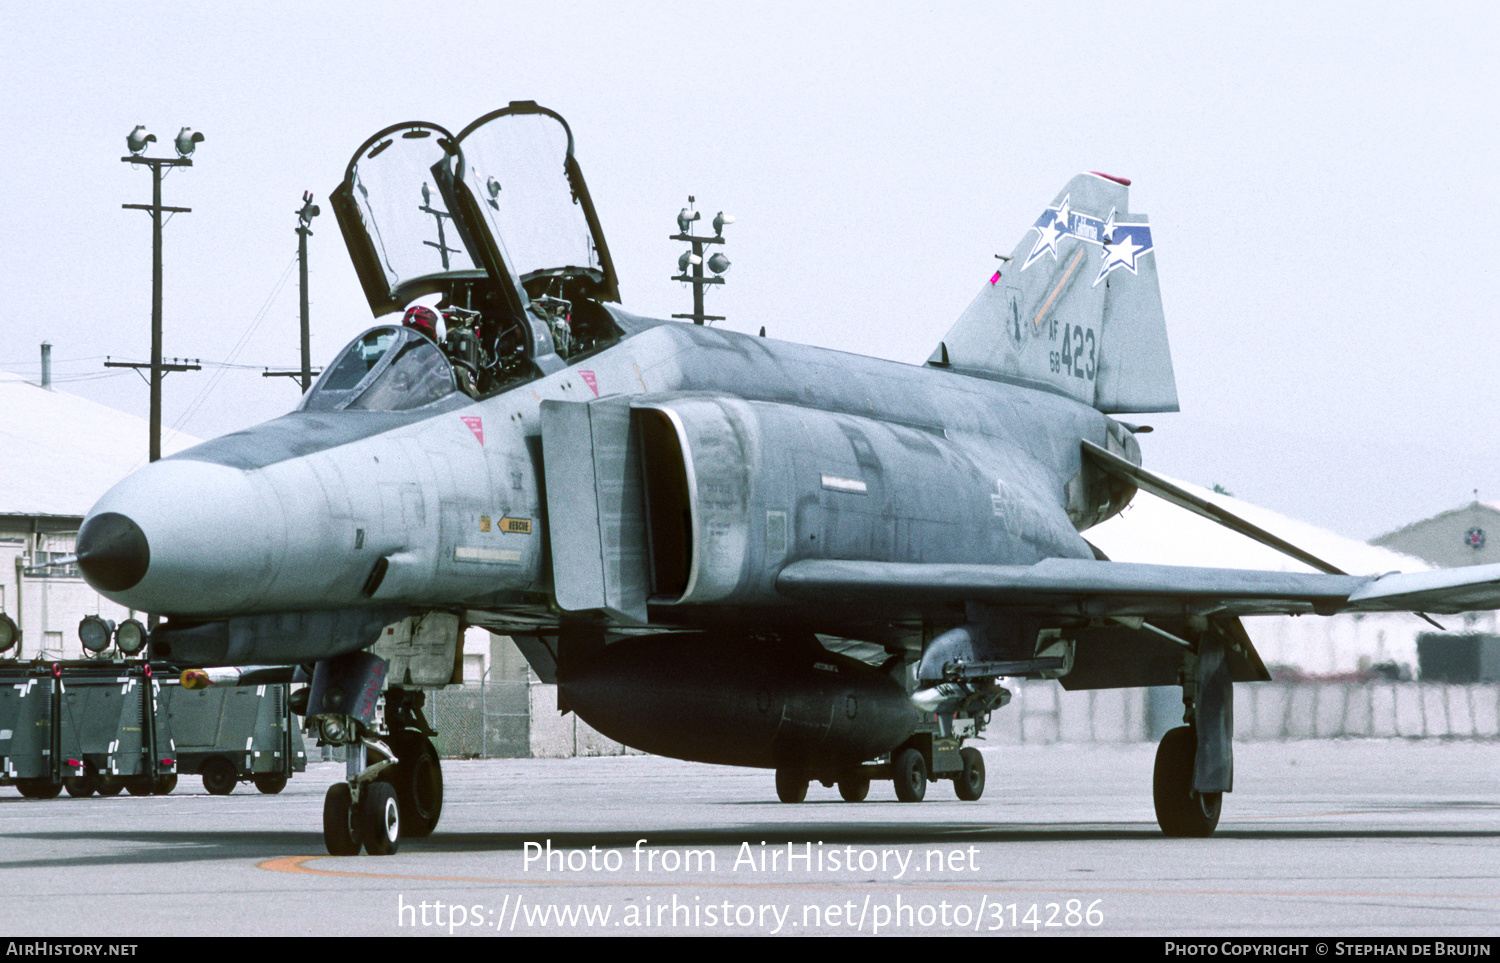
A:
402, 209
516, 168
417, 375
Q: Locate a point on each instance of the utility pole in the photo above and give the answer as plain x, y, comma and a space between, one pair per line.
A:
717, 263
304, 231
136, 142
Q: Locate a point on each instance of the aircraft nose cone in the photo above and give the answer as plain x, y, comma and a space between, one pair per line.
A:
183, 537
113, 552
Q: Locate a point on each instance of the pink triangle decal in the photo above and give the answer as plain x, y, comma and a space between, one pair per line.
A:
591, 381
476, 425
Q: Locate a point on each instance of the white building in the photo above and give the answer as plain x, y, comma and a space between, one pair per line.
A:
1151, 530
58, 454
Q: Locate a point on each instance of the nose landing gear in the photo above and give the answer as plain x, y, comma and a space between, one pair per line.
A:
394, 781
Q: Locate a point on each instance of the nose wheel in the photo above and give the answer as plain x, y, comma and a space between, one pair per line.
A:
373, 823
341, 821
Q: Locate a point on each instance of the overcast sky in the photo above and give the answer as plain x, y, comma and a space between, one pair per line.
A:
1319, 180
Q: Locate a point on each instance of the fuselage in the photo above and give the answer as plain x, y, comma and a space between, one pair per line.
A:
294, 514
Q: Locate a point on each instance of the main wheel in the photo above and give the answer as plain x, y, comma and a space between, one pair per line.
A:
380, 819
417, 778
110, 786
270, 783
39, 788
341, 823
1179, 810
910, 774
81, 787
219, 776
969, 784
854, 787
164, 784
138, 785
791, 787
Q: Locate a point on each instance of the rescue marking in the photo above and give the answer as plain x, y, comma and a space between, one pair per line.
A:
476, 425
516, 526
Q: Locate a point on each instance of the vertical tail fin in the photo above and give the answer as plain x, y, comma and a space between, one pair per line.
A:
1076, 309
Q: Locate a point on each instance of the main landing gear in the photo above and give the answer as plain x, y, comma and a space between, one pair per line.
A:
1195, 762
394, 781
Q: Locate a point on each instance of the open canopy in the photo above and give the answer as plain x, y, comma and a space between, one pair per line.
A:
502, 204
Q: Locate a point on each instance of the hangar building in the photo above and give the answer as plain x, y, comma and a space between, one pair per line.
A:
1464, 536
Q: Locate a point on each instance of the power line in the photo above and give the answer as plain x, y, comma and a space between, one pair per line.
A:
239, 346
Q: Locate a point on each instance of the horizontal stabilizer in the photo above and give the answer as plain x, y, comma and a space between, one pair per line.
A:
1151, 482
1449, 590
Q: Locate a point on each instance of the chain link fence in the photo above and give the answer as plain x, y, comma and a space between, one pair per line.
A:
490, 719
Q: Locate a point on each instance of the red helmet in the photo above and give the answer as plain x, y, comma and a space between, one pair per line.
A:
423, 318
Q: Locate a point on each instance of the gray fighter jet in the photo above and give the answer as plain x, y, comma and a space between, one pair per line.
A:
722, 548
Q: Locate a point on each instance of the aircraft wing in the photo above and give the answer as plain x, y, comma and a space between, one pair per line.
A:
1099, 589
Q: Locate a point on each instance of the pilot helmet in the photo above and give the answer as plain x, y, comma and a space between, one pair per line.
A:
423, 318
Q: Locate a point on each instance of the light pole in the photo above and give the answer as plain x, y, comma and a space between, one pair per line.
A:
136, 142
717, 263
304, 231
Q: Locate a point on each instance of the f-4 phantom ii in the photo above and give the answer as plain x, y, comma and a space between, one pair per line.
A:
722, 548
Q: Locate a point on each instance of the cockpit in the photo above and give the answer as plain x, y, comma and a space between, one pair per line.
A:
498, 222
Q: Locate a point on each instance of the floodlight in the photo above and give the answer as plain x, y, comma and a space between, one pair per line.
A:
688, 257
95, 633
137, 139
130, 637
720, 219
718, 263
187, 139
9, 633
685, 219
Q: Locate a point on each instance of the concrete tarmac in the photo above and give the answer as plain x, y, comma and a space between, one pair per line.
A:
1334, 838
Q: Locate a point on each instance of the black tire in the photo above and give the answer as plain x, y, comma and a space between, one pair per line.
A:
164, 784
969, 784
219, 776
270, 783
138, 785
854, 788
110, 786
40, 788
81, 787
380, 819
791, 787
341, 824
1180, 811
417, 778
909, 772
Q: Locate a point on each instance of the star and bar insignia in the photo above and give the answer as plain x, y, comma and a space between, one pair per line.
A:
1122, 243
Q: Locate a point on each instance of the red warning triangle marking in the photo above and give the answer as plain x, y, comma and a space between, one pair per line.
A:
591, 381
476, 425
